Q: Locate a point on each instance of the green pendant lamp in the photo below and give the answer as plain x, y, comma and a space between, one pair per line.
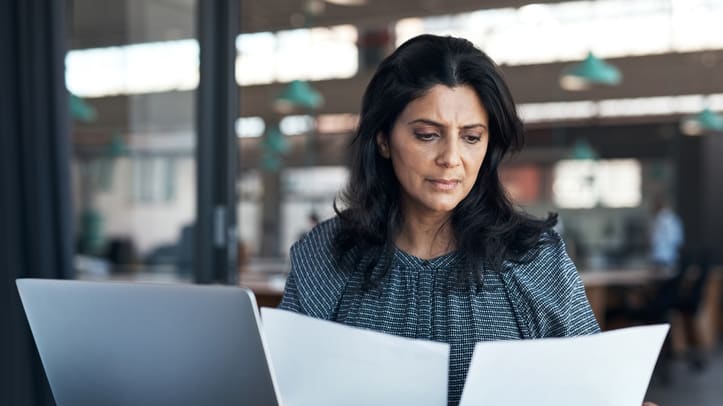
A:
298, 95
274, 145
81, 110
705, 121
590, 72
582, 150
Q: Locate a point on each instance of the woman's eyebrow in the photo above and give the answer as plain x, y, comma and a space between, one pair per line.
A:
440, 125
426, 121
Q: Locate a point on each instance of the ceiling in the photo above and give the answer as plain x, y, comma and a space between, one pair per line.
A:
96, 23
273, 15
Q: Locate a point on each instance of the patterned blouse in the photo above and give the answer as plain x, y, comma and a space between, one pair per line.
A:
425, 299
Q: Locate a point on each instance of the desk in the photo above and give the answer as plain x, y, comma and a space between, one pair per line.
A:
597, 284
708, 318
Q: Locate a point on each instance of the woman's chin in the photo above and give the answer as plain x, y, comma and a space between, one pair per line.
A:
443, 207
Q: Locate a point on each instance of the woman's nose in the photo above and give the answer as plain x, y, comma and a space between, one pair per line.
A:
449, 154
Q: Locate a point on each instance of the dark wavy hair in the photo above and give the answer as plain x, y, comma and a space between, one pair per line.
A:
486, 227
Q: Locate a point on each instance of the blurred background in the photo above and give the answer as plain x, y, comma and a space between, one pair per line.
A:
195, 141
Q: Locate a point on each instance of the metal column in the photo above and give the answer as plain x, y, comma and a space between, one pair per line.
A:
217, 149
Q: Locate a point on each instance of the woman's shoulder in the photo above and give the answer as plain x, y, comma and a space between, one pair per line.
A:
317, 281
322, 236
548, 288
548, 259
546, 273
314, 254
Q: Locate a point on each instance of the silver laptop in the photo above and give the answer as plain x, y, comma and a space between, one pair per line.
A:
140, 344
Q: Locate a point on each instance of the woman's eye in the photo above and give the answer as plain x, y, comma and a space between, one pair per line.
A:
472, 139
426, 136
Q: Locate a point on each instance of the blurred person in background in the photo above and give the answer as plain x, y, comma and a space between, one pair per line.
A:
428, 245
666, 235
680, 290
683, 292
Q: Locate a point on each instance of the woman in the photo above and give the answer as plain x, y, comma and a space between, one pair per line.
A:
428, 245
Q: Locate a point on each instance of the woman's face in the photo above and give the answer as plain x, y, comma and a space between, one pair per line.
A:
437, 146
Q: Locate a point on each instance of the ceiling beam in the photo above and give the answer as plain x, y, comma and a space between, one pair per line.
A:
643, 76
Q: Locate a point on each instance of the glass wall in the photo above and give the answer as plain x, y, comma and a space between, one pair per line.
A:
133, 70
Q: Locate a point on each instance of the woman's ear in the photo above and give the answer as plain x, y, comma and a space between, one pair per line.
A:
383, 145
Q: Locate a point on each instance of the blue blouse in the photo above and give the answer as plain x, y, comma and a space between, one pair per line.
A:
426, 299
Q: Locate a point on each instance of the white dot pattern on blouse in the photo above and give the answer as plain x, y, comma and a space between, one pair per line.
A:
426, 299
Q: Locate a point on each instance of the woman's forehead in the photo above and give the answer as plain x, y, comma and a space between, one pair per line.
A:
459, 105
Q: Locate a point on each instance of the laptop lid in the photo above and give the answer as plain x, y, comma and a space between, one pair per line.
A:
107, 343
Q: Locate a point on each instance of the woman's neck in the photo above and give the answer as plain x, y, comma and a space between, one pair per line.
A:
426, 236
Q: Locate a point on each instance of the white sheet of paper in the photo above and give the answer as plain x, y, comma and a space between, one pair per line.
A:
321, 363
607, 369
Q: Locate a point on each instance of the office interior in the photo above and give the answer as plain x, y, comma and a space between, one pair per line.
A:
192, 141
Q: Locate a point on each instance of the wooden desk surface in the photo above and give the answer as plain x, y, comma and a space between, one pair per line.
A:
709, 319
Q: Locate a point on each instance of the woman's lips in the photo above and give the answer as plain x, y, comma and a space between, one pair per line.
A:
444, 184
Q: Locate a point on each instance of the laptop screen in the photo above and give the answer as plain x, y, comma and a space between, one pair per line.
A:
104, 343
